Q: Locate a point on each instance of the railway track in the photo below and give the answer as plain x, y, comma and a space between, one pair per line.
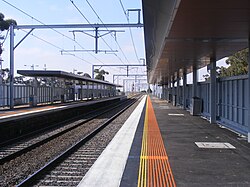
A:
19, 147
67, 171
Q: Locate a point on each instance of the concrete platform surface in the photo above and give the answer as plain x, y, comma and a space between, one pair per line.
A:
21, 112
109, 167
218, 165
171, 148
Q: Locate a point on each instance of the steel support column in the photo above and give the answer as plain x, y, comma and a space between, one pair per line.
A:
35, 96
123, 86
195, 109
87, 91
93, 73
96, 40
1, 84
52, 91
81, 84
173, 90
169, 90
184, 87
11, 101
178, 89
194, 87
212, 103
248, 92
165, 91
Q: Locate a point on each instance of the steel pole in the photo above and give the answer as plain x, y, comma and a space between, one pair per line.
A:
248, 92
194, 88
123, 85
184, 88
1, 83
11, 98
178, 88
93, 73
96, 40
213, 106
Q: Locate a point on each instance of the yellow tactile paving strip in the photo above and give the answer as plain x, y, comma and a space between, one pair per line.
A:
154, 168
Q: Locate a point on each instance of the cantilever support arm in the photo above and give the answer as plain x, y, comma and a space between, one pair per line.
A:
23, 38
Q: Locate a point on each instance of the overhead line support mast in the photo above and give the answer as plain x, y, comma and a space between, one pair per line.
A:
61, 26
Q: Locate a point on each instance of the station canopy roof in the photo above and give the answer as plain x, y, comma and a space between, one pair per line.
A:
62, 74
183, 33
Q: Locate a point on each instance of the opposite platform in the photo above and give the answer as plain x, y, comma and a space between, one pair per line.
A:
6, 115
22, 122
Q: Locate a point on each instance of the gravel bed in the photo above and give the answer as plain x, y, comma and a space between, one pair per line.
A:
36, 138
13, 172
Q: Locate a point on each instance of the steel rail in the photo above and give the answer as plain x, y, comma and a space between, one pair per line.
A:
14, 140
70, 150
26, 149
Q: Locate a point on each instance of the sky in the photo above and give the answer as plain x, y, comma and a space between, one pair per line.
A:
43, 48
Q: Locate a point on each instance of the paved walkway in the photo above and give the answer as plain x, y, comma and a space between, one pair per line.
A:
162, 145
220, 165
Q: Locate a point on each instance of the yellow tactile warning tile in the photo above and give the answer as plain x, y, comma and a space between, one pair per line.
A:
154, 168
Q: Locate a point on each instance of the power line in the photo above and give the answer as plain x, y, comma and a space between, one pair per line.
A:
108, 30
94, 27
94, 11
25, 13
131, 35
49, 43
124, 11
80, 12
5, 37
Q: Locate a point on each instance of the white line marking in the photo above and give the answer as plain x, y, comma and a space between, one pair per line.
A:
215, 145
109, 167
175, 114
30, 112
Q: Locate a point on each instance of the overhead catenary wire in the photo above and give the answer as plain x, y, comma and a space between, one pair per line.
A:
5, 37
131, 35
94, 27
88, 21
124, 11
33, 18
49, 43
108, 30
25, 13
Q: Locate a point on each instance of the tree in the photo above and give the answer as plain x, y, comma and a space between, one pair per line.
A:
4, 25
5, 74
21, 80
86, 75
100, 74
207, 76
238, 64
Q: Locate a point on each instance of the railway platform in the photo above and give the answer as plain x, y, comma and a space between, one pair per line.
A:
162, 145
22, 112
21, 121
